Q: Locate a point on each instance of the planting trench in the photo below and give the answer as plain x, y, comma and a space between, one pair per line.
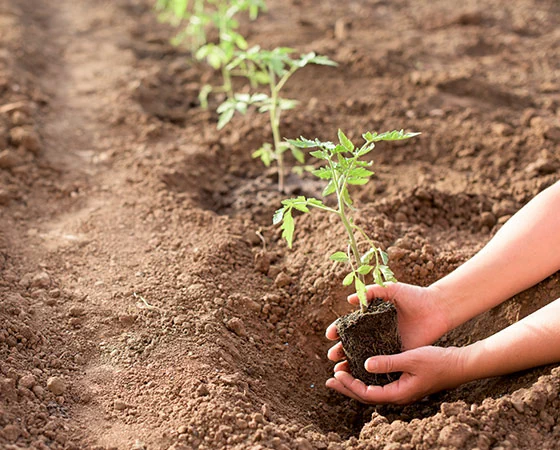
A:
131, 270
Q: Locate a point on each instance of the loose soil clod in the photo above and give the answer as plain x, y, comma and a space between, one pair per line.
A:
370, 333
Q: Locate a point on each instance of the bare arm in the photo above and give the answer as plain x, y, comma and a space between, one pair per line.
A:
523, 252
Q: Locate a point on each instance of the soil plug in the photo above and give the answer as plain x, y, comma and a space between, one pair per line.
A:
373, 329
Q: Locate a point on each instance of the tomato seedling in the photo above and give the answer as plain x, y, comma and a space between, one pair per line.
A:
272, 68
344, 167
200, 17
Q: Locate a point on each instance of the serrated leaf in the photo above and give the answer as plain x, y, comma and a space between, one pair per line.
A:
329, 189
339, 257
314, 202
360, 172
346, 197
319, 154
387, 273
345, 142
302, 142
339, 149
278, 215
367, 256
365, 149
298, 154
357, 181
348, 279
395, 135
361, 290
225, 118
384, 256
325, 173
288, 227
364, 269
377, 277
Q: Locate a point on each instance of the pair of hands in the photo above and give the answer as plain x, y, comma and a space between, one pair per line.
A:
426, 369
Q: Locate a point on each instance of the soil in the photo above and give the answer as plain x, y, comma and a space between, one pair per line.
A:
370, 333
146, 301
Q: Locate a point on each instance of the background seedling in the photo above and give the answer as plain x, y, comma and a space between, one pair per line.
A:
273, 68
200, 17
344, 167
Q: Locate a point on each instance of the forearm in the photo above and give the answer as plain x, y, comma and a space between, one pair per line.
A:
531, 342
523, 252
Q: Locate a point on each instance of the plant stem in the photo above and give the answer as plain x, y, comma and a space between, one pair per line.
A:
347, 225
227, 86
275, 125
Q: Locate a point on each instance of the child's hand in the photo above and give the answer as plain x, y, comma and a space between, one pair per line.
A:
425, 370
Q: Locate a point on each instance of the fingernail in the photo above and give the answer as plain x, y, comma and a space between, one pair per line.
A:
371, 365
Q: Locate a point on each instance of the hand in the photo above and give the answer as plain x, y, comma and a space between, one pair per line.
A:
425, 370
421, 314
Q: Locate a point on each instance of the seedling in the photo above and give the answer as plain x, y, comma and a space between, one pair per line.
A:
202, 15
344, 167
273, 68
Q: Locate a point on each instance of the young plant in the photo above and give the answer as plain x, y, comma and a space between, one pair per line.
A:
273, 68
343, 168
222, 15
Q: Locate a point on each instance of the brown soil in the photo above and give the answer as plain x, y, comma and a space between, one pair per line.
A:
370, 333
139, 308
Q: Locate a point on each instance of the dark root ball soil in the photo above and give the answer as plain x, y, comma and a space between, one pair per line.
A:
370, 333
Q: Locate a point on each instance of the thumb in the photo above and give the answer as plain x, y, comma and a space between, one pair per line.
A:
375, 291
399, 362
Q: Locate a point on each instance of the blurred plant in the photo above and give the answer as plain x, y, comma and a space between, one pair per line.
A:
202, 15
272, 68
344, 167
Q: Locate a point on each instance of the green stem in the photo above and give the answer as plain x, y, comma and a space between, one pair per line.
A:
347, 225
275, 125
227, 86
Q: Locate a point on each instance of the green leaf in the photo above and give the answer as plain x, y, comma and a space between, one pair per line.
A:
325, 173
384, 256
288, 227
364, 269
340, 149
377, 277
314, 202
339, 257
346, 143
365, 149
329, 189
367, 256
348, 279
360, 172
357, 181
395, 135
298, 154
225, 117
387, 273
361, 290
302, 142
278, 215
346, 197
319, 154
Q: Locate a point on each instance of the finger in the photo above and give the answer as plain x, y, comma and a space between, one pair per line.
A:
333, 383
399, 362
375, 291
343, 365
336, 352
389, 393
332, 332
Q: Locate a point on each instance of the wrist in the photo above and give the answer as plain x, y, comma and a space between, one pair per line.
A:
441, 301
